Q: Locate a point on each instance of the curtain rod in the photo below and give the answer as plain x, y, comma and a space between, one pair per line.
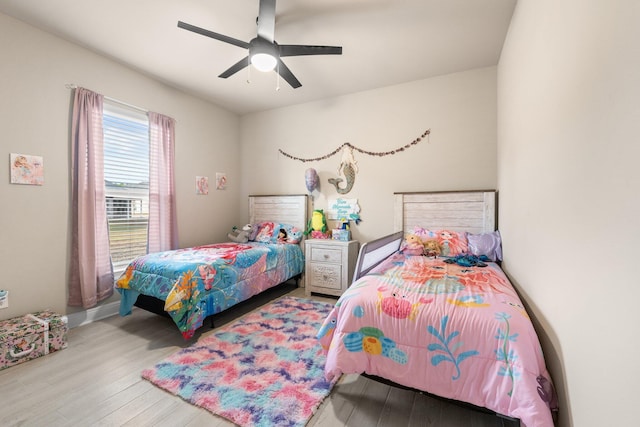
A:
74, 86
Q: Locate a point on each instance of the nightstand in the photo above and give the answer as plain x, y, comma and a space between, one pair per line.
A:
329, 265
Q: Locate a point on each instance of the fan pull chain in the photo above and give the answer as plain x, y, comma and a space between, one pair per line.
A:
277, 76
248, 70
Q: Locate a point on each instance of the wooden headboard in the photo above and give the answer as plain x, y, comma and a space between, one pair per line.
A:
287, 209
471, 211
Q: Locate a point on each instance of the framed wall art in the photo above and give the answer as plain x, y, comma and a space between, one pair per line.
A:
221, 181
202, 185
26, 169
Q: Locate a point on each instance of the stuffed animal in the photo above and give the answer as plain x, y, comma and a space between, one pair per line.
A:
240, 236
432, 248
282, 236
317, 224
413, 245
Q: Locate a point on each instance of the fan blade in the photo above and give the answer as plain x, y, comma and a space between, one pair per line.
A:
286, 74
299, 50
235, 68
213, 35
267, 19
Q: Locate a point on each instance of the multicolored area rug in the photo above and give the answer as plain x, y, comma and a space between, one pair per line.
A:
266, 369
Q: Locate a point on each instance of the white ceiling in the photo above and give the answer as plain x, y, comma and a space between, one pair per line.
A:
385, 42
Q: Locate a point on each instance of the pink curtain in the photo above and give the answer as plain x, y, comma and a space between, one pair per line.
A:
163, 230
91, 272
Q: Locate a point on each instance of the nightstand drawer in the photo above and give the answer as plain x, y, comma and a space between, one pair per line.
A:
326, 275
322, 254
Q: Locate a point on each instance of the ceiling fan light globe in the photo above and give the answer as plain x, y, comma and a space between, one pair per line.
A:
263, 62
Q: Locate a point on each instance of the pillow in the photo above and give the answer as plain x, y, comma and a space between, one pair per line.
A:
294, 234
267, 232
488, 244
254, 231
453, 242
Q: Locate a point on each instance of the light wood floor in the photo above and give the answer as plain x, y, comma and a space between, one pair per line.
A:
96, 381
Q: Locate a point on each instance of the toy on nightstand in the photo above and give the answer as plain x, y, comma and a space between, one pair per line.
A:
317, 226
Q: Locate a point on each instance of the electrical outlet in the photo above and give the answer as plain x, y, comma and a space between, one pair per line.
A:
4, 299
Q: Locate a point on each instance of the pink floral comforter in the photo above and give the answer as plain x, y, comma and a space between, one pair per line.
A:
453, 331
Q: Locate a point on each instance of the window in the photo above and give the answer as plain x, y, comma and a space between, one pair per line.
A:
139, 175
126, 174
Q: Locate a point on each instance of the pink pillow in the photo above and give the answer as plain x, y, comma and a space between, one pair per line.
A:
266, 231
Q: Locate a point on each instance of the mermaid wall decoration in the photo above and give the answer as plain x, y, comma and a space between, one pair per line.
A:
349, 168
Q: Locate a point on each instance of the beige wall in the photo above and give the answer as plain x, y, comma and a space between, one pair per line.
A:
34, 112
569, 181
460, 110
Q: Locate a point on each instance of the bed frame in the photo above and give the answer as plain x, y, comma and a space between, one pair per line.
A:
471, 211
288, 209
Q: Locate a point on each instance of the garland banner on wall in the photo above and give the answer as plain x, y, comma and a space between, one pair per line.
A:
360, 150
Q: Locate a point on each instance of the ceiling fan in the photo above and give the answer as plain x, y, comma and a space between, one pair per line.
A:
264, 53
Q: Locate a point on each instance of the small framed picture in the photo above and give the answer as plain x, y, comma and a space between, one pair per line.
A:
202, 185
221, 181
26, 169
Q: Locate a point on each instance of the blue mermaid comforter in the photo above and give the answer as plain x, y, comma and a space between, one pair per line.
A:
204, 280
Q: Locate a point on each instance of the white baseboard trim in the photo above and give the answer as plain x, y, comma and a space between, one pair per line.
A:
93, 314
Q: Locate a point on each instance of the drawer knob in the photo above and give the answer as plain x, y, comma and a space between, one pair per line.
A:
326, 256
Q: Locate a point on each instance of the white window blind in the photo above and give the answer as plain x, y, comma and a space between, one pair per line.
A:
126, 174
